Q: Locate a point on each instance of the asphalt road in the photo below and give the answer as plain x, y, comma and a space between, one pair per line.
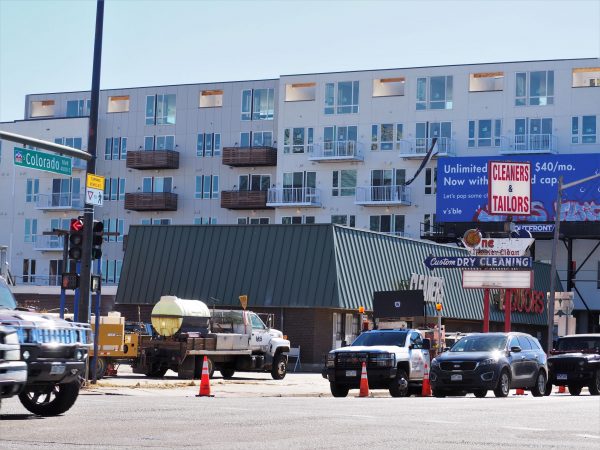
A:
300, 414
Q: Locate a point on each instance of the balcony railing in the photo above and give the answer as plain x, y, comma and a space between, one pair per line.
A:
156, 159
337, 151
382, 195
151, 201
294, 197
417, 147
244, 200
59, 202
249, 156
46, 243
532, 143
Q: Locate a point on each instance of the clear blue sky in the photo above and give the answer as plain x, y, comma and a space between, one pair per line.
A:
47, 45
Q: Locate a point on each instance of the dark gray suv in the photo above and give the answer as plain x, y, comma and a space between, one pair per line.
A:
490, 361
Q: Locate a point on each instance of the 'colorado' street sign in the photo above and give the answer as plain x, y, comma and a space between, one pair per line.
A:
33, 159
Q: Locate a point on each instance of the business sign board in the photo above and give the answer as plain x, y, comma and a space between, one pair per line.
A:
497, 279
462, 188
479, 262
432, 287
396, 304
500, 246
509, 188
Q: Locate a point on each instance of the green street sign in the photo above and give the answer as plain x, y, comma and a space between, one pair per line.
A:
33, 159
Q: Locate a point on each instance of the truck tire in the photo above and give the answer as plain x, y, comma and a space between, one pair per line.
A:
50, 401
503, 387
539, 388
198, 368
279, 368
480, 393
399, 386
595, 384
575, 389
548, 390
153, 372
338, 391
227, 372
101, 366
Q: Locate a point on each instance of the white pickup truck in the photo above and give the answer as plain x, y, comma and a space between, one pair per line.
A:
395, 360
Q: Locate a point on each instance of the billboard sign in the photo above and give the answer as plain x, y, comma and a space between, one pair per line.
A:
509, 188
462, 188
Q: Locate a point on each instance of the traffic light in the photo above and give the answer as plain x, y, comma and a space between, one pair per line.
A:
97, 239
76, 239
96, 283
70, 281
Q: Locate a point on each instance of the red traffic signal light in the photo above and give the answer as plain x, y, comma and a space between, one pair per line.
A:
76, 224
76, 239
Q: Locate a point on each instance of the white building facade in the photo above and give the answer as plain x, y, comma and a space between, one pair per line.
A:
331, 147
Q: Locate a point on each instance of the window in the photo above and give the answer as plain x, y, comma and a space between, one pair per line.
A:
208, 144
388, 87
430, 180
440, 130
258, 104
253, 221
115, 148
43, 108
157, 184
33, 188
211, 99
298, 140
118, 103
386, 136
390, 223
300, 92
29, 270
114, 189
388, 177
586, 134
156, 222
165, 142
205, 220
485, 133
30, 230
111, 271
297, 220
344, 183
341, 97
428, 223
256, 139
299, 180
340, 141
254, 182
114, 226
55, 270
586, 77
533, 134
160, 109
486, 82
343, 220
534, 88
207, 186
434, 93
65, 192
74, 142
78, 108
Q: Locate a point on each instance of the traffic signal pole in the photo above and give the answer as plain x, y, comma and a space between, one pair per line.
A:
88, 217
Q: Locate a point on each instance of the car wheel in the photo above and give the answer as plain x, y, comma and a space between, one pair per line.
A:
156, 373
399, 386
480, 393
548, 390
539, 388
503, 386
279, 367
227, 372
595, 384
438, 394
574, 389
338, 391
51, 400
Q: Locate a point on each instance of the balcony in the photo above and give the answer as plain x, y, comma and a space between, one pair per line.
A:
337, 151
249, 156
59, 202
152, 159
294, 197
244, 200
47, 243
151, 201
531, 144
382, 195
417, 147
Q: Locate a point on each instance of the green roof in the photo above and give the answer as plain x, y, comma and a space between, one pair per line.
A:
297, 266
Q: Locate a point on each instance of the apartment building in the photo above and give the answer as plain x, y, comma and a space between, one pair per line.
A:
344, 148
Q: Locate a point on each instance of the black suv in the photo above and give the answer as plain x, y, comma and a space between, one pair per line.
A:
575, 362
490, 361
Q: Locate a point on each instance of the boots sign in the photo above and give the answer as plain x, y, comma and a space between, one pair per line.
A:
509, 188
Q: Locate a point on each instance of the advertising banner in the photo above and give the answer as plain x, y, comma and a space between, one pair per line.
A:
462, 188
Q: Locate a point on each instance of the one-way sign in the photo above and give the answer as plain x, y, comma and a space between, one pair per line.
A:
478, 262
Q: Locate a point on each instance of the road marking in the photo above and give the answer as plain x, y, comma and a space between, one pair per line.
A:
588, 436
525, 428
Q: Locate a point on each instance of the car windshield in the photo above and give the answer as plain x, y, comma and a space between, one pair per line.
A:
381, 338
6, 298
480, 344
579, 343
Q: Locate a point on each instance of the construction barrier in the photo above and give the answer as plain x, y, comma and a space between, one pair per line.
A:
426, 390
204, 381
364, 382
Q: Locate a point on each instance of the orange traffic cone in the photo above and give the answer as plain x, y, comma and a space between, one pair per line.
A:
426, 391
364, 382
520, 391
561, 390
204, 381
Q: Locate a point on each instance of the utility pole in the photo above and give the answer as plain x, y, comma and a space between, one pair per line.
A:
88, 216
